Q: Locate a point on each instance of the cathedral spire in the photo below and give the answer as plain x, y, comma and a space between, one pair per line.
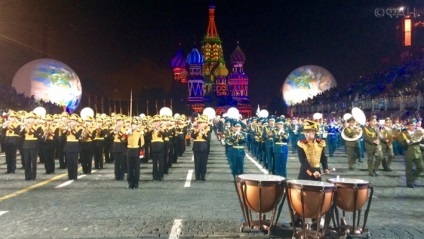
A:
212, 32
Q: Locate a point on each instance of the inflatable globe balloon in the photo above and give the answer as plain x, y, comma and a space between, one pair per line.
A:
49, 80
306, 82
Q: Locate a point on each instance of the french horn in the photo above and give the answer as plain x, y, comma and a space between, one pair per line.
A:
360, 118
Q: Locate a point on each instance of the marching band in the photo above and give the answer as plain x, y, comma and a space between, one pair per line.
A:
129, 141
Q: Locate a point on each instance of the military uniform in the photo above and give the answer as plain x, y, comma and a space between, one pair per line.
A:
237, 139
157, 149
413, 155
49, 144
372, 146
386, 138
31, 133
118, 148
86, 142
228, 131
11, 131
135, 143
200, 149
72, 146
268, 139
280, 149
98, 143
352, 146
332, 137
311, 155
294, 131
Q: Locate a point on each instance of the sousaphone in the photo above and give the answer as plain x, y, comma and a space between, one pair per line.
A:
360, 118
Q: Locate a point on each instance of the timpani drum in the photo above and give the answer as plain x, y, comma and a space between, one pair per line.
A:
347, 190
310, 199
260, 193
351, 196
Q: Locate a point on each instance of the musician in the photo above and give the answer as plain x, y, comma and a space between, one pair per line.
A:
258, 137
135, 144
168, 137
200, 148
262, 143
157, 148
352, 145
386, 139
49, 144
228, 132
372, 146
60, 121
179, 137
294, 131
98, 143
269, 143
107, 149
413, 155
87, 147
332, 136
72, 132
311, 154
237, 140
31, 133
119, 147
397, 128
280, 148
146, 121
11, 129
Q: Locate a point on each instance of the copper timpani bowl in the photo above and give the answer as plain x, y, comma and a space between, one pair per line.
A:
346, 189
261, 192
308, 197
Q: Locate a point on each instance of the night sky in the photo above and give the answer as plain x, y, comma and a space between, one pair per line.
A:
116, 46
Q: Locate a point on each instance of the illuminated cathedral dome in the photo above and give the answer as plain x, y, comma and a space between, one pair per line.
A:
238, 56
195, 58
178, 61
220, 70
178, 64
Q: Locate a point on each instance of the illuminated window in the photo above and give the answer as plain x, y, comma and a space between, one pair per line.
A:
407, 31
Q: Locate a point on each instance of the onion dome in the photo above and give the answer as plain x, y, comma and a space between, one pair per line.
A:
238, 56
220, 70
195, 57
178, 61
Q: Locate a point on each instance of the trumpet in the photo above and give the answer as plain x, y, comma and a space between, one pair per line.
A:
48, 132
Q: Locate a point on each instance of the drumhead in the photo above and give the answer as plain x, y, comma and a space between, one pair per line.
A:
261, 177
347, 181
309, 183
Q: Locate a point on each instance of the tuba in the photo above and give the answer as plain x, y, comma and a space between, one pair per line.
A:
360, 118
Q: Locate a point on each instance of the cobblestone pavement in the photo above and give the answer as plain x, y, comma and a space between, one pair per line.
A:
96, 206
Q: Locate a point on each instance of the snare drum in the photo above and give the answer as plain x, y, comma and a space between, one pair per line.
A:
310, 199
346, 190
260, 192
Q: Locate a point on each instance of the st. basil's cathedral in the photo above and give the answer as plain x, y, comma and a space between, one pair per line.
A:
206, 77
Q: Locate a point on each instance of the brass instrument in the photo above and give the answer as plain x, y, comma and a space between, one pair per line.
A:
48, 132
415, 138
360, 118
